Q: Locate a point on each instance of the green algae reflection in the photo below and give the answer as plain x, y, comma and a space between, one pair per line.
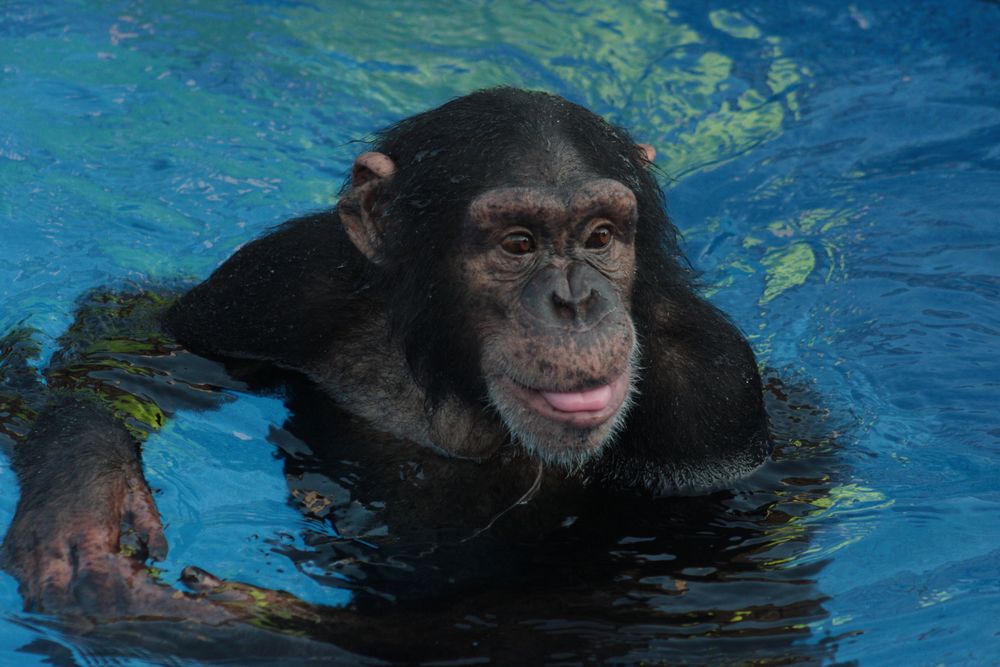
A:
105, 347
642, 64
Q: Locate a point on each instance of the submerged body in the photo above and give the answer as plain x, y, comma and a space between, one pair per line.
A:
499, 272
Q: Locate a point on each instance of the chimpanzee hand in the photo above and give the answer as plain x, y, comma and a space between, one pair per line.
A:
86, 521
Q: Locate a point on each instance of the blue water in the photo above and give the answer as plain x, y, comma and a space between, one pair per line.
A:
834, 168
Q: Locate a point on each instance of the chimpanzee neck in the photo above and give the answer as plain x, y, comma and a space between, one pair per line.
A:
367, 374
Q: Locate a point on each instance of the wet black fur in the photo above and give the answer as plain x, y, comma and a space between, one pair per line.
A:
282, 297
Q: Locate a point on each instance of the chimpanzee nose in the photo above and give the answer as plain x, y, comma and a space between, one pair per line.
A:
574, 295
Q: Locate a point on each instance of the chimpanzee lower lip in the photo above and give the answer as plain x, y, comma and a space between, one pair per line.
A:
536, 402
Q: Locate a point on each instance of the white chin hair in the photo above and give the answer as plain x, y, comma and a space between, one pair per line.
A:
570, 455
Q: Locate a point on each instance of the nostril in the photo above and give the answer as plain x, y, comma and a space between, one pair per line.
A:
563, 308
587, 301
574, 300
565, 312
576, 307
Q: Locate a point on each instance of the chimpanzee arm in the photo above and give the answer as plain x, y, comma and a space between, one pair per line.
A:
700, 419
86, 519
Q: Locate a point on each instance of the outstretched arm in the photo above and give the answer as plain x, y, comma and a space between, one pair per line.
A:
86, 519
86, 522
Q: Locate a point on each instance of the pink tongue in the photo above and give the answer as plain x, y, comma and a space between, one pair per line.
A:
579, 401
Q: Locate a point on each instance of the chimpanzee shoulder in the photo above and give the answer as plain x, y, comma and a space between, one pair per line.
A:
278, 298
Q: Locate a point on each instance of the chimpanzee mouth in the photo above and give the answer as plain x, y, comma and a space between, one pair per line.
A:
586, 408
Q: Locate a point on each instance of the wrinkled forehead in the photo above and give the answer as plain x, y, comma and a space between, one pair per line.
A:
587, 198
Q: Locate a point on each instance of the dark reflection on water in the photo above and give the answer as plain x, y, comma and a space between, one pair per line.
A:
450, 559
571, 574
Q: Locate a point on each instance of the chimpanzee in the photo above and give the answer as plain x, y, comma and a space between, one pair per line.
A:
498, 270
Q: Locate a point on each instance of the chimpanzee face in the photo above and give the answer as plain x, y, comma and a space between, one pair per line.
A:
549, 272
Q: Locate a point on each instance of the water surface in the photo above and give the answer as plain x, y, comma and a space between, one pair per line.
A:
835, 170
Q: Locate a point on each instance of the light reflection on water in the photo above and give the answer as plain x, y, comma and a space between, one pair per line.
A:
834, 170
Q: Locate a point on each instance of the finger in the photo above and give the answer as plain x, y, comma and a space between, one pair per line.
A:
97, 587
144, 518
200, 580
45, 586
214, 590
117, 587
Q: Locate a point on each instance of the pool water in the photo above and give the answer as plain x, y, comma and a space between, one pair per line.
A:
835, 170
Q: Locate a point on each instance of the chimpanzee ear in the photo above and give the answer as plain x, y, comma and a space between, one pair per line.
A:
356, 209
648, 152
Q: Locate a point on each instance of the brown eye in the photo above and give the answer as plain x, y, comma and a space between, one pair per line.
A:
600, 237
518, 244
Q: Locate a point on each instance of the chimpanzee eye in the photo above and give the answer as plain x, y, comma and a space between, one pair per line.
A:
600, 237
518, 243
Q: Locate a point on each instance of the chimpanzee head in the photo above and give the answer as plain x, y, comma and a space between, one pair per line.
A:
518, 240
